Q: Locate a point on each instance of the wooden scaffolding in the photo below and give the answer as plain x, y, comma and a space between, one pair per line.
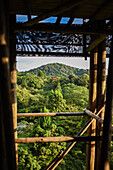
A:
92, 38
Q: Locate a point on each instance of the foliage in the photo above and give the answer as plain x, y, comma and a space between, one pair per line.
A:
58, 69
36, 92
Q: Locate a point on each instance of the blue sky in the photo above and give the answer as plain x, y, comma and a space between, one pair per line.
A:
64, 20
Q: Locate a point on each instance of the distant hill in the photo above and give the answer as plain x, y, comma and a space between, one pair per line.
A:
61, 69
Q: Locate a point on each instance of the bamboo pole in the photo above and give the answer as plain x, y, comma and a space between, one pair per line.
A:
51, 114
58, 139
106, 143
7, 146
57, 160
13, 77
101, 85
90, 153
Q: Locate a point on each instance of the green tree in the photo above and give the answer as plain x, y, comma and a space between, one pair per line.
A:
40, 73
56, 101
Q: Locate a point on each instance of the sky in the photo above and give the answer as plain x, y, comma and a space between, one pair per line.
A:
27, 63
64, 20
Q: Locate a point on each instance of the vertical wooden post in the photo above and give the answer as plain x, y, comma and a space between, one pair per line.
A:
84, 42
101, 84
90, 155
13, 77
7, 147
107, 129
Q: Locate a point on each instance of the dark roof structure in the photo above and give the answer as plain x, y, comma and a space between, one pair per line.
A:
96, 16
90, 9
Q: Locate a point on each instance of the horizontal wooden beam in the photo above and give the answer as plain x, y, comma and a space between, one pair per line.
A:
50, 114
96, 42
52, 54
58, 10
63, 28
57, 139
89, 113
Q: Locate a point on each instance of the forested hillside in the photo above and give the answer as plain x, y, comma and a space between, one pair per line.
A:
37, 92
60, 69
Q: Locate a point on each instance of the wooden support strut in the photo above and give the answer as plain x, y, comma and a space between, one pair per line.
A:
58, 158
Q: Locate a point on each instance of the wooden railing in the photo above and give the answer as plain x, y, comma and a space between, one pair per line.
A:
51, 114
73, 140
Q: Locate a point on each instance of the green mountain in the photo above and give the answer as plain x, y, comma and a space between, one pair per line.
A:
61, 69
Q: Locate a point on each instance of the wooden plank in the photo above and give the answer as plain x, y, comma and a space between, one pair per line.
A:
51, 114
106, 143
64, 28
58, 10
69, 147
89, 113
57, 139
